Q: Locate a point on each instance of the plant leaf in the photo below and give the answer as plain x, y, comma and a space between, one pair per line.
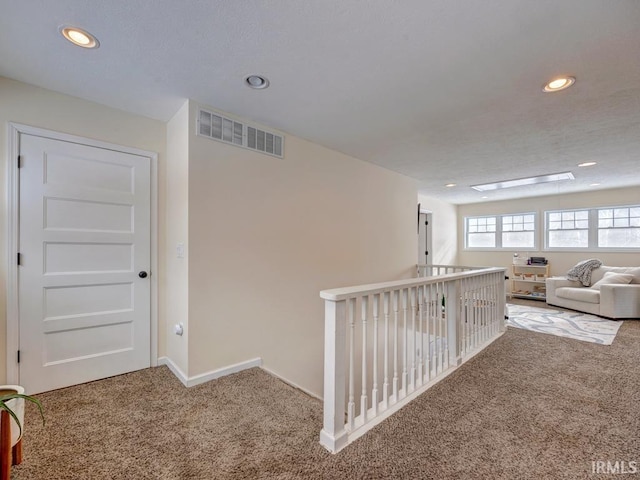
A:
5, 407
11, 396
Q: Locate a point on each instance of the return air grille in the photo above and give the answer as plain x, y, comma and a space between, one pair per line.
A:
230, 131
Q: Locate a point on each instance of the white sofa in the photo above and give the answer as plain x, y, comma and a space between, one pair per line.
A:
607, 299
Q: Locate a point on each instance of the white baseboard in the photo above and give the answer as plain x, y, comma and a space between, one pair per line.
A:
174, 369
289, 382
208, 376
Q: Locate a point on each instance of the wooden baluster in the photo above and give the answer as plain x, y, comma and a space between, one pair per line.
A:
351, 410
454, 314
363, 395
429, 332
443, 342
385, 384
420, 346
441, 313
499, 315
494, 302
405, 361
468, 318
396, 307
474, 314
449, 301
374, 389
485, 308
480, 309
438, 318
424, 349
412, 373
478, 312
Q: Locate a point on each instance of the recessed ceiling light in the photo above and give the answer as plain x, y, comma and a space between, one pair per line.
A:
594, 184
79, 37
553, 177
449, 185
587, 164
484, 197
558, 84
257, 81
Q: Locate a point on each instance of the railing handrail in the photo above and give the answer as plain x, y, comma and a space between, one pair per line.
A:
338, 294
435, 265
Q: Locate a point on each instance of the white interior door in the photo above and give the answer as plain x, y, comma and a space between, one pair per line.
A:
83, 279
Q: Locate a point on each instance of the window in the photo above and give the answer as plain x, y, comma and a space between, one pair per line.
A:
504, 231
568, 229
593, 229
481, 232
518, 231
619, 227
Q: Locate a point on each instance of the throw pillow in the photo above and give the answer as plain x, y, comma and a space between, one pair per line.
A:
612, 278
635, 271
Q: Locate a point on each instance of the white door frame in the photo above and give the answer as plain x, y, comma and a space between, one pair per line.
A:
429, 236
12, 226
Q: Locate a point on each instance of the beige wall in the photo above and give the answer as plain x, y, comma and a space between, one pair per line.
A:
262, 235
267, 234
560, 261
444, 217
177, 231
29, 105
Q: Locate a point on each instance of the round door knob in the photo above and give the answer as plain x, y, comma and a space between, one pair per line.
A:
142, 274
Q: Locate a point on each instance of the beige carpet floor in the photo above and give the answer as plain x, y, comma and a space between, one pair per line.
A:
531, 406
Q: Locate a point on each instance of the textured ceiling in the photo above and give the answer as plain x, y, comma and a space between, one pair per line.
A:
442, 91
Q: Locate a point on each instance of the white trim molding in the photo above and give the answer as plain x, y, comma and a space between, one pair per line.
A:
292, 384
211, 375
12, 201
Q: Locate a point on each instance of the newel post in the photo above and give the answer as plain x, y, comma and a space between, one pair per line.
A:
333, 435
455, 313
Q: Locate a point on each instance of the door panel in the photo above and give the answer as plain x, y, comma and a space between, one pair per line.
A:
84, 236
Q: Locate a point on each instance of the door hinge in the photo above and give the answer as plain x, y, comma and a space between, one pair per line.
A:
19, 259
426, 223
19, 161
18, 356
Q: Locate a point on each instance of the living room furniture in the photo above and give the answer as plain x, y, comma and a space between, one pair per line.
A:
528, 281
614, 293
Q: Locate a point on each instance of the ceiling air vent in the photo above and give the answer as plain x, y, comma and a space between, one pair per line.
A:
230, 131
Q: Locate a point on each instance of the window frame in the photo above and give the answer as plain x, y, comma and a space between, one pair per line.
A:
593, 229
499, 231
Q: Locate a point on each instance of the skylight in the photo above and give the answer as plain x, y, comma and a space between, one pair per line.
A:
553, 177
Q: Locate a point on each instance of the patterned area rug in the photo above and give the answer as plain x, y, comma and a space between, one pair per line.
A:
576, 325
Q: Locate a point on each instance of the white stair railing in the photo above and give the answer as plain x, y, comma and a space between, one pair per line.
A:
425, 270
386, 343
